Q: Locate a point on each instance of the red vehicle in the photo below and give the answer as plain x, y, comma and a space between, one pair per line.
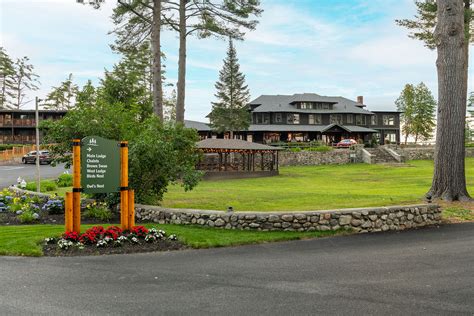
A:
346, 143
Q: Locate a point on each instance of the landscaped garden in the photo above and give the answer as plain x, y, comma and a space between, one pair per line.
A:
315, 188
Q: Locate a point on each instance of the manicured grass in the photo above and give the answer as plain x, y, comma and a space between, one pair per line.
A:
315, 188
456, 214
26, 240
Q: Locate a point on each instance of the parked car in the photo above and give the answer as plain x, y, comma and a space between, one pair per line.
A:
345, 143
31, 157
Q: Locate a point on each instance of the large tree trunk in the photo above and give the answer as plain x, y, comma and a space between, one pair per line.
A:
156, 49
181, 63
449, 181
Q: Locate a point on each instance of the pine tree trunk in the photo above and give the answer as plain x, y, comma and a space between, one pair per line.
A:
449, 181
416, 138
156, 49
181, 63
406, 138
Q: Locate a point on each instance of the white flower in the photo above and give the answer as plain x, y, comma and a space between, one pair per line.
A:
134, 240
150, 238
121, 238
108, 239
101, 243
65, 244
173, 237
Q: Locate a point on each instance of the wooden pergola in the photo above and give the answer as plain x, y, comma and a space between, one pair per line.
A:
237, 158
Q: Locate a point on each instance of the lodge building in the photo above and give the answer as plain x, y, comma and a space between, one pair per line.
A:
309, 116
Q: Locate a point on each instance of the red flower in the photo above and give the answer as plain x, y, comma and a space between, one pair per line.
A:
72, 236
96, 230
140, 231
111, 233
116, 229
89, 237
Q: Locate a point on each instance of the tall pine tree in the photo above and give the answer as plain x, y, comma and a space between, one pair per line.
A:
7, 71
230, 112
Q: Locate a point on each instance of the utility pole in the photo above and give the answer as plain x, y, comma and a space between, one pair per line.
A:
38, 175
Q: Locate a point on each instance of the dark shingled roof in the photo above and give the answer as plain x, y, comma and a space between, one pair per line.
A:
282, 103
200, 126
232, 144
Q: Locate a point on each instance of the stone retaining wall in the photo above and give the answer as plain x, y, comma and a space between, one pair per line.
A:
313, 158
359, 220
423, 153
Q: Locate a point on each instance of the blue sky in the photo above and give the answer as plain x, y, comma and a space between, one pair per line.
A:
330, 47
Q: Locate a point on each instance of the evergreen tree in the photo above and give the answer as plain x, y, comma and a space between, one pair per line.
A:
24, 79
170, 107
230, 112
7, 71
63, 96
447, 25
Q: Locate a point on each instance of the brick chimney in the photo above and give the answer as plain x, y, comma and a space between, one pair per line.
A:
360, 99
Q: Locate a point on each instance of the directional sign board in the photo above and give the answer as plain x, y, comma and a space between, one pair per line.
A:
100, 165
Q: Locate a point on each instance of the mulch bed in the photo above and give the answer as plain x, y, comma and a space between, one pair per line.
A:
52, 250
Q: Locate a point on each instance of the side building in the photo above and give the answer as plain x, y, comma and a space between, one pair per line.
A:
18, 126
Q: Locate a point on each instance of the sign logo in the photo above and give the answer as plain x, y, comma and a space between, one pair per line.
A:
92, 142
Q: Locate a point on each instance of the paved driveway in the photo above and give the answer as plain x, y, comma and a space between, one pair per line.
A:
424, 272
9, 173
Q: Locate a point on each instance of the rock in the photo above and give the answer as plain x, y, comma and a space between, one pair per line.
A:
273, 218
324, 228
250, 216
373, 217
323, 222
314, 219
287, 218
254, 225
277, 225
356, 222
367, 224
285, 224
357, 215
219, 222
345, 220
228, 226
333, 222
378, 223
210, 223
300, 216
385, 228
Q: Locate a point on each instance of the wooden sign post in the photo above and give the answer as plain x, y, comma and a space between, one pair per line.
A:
101, 167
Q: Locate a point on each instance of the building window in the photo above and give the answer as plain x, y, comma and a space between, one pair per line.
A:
392, 137
266, 118
389, 120
350, 118
361, 120
314, 119
325, 106
373, 120
335, 119
293, 119
278, 118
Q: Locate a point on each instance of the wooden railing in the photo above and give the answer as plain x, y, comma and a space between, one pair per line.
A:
16, 152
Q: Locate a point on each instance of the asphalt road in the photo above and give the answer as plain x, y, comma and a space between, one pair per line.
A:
9, 173
423, 272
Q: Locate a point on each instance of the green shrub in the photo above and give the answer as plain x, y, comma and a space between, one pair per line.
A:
320, 148
5, 147
46, 186
26, 217
295, 150
98, 211
64, 180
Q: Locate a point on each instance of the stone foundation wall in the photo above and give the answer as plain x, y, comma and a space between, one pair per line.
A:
359, 220
313, 158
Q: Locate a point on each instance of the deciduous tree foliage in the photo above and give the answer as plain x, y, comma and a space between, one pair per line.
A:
230, 112
159, 153
418, 106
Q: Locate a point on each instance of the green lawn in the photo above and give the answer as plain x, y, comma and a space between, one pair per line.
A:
315, 188
26, 240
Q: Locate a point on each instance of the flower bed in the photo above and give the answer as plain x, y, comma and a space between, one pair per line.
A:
17, 207
110, 240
